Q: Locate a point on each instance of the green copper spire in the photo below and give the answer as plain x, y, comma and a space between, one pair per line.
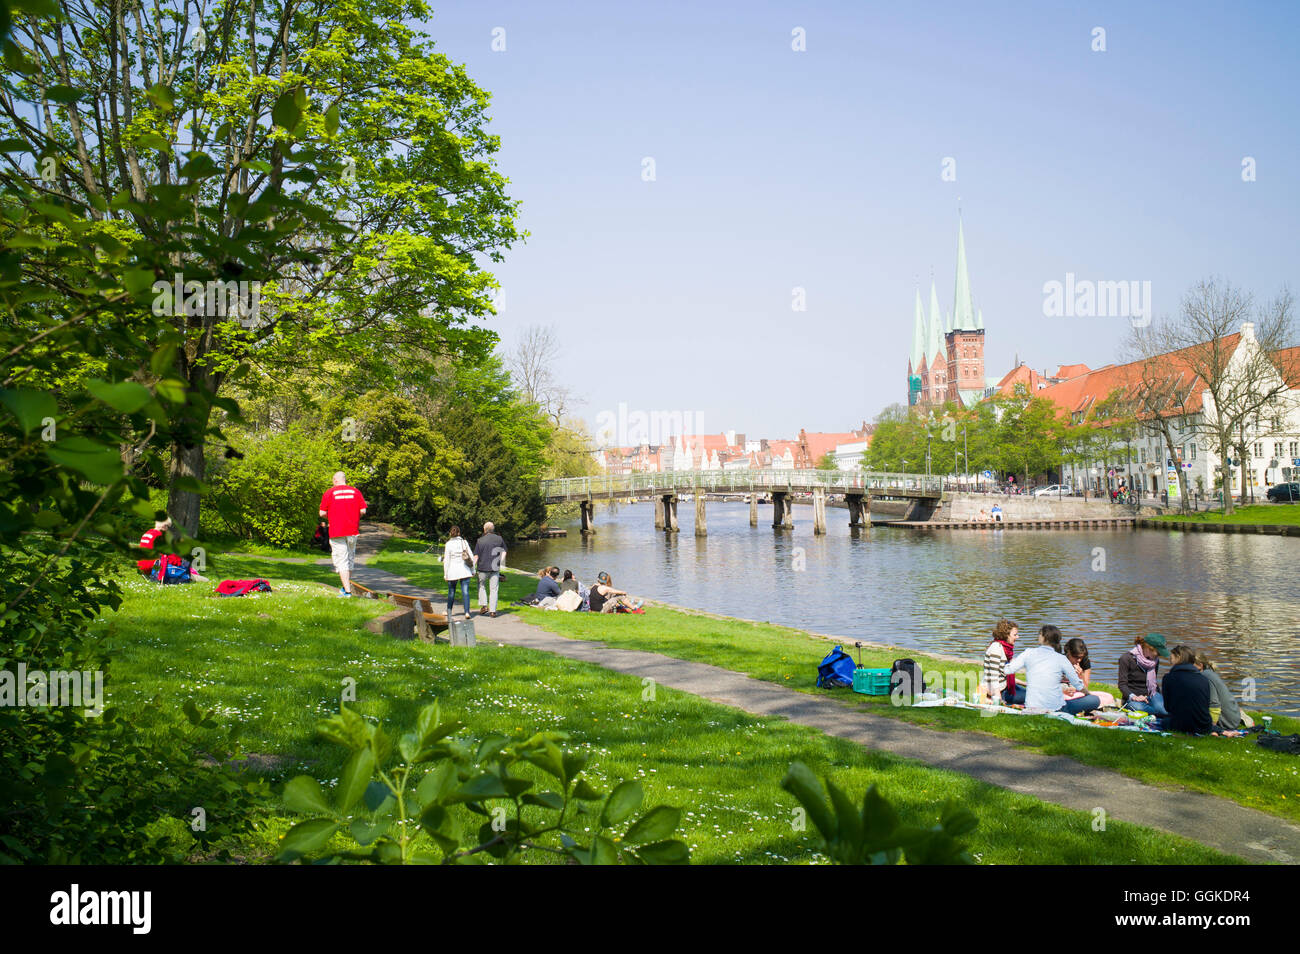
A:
963, 309
918, 334
934, 344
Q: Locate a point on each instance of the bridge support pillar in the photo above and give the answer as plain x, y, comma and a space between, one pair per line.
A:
782, 510
819, 510
587, 510
753, 510
670, 513
701, 526
857, 510
659, 513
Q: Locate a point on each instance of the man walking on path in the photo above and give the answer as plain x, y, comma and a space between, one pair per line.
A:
343, 506
490, 560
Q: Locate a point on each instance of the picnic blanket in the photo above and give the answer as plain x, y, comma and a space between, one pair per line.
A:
956, 702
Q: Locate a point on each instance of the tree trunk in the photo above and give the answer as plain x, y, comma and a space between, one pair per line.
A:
183, 504
1225, 474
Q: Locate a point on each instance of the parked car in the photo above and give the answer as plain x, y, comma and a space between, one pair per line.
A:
1062, 490
1284, 493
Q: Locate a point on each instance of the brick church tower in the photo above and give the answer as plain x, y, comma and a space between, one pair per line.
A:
947, 359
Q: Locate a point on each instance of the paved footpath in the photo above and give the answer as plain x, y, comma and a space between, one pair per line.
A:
1217, 822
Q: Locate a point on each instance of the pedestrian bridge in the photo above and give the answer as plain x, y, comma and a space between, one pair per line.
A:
781, 485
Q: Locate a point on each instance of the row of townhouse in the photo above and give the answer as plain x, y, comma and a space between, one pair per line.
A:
1269, 454
732, 451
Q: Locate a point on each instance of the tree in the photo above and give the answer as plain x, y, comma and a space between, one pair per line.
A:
324, 155
1222, 367
532, 365
492, 484
827, 462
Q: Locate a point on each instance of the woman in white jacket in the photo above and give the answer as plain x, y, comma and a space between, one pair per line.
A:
457, 567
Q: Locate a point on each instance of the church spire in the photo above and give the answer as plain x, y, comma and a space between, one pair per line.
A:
963, 308
934, 345
918, 334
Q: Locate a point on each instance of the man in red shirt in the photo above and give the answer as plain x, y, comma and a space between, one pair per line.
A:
160, 527
343, 506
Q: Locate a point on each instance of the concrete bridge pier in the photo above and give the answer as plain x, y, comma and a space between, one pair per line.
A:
659, 513
753, 510
701, 526
819, 510
859, 510
782, 510
587, 509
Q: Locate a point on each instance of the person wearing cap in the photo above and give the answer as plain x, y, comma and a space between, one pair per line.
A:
1139, 675
605, 599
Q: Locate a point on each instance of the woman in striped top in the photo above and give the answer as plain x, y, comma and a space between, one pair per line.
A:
997, 683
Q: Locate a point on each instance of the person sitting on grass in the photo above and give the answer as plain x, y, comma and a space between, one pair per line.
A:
1076, 650
546, 583
1224, 710
1187, 696
569, 583
605, 599
1046, 667
997, 683
1139, 675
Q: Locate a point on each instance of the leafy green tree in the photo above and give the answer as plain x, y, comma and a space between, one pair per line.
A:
325, 154
827, 462
493, 483
406, 469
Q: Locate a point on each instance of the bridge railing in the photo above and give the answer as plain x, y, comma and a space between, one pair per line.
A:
740, 481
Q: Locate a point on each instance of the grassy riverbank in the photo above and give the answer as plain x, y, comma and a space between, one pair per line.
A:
1264, 515
273, 664
1232, 768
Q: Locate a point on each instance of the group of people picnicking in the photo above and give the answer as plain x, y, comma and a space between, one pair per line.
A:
1191, 698
571, 595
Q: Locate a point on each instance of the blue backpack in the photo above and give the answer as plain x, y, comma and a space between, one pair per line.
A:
836, 670
166, 571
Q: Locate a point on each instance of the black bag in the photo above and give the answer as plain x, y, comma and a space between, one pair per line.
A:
1290, 744
905, 678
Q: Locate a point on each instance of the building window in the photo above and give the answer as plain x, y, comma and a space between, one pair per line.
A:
1259, 449
1295, 449
1277, 448
1191, 448
1142, 455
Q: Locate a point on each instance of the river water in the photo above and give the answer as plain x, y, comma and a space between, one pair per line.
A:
1235, 596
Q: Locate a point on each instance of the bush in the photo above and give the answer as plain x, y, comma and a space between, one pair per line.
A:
273, 494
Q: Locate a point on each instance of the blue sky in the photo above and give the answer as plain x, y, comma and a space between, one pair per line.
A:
777, 169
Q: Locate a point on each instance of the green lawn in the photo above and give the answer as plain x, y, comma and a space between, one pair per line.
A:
1266, 514
1233, 768
275, 663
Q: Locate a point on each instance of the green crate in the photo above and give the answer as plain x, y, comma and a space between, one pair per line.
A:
871, 682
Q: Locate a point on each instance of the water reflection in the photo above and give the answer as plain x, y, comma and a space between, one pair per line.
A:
1235, 596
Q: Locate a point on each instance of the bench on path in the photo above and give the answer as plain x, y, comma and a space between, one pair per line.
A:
413, 616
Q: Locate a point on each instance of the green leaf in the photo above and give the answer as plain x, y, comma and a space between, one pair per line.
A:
603, 852
655, 825
94, 461
848, 821
583, 791
153, 141
436, 785
356, 776
286, 113
551, 800
62, 94
303, 794
171, 390
29, 407
125, 396
957, 821
332, 121
377, 795
161, 96
482, 786
800, 782
136, 280
163, 359
308, 836
365, 831
622, 802
665, 853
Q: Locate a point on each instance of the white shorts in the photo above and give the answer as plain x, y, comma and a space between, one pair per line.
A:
344, 552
